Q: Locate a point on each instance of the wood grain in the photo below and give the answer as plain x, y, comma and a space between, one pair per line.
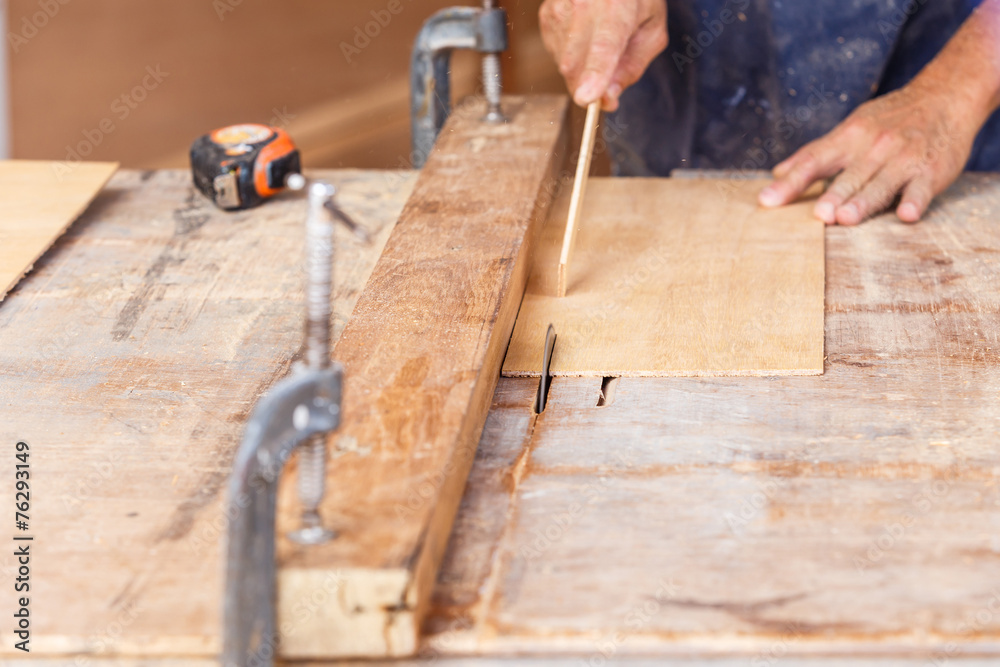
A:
422, 355
678, 277
138, 435
579, 191
38, 201
130, 359
853, 513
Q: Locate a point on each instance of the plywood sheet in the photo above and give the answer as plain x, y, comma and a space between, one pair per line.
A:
676, 278
38, 201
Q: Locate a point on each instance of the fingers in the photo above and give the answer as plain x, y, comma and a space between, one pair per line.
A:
607, 44
904, 142
917, 196
872, 198
602, 46
553, 20
645, 45
575, 49
820, 159
852, 180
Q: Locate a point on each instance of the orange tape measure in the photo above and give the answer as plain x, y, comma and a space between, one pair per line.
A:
240, 166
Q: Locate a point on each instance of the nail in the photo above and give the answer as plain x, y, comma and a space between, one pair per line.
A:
849, 214
825, 211
769, 197
587, 91
908, 211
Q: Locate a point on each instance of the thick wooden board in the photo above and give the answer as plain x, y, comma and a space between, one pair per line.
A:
677, 277
852, 513
130, 359
38, 201
422, 355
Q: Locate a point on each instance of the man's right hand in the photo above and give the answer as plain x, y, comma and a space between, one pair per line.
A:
603, 46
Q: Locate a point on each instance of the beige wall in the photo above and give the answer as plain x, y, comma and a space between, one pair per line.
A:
227, 61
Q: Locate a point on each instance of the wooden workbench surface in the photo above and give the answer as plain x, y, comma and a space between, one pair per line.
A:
853, 512
130, 359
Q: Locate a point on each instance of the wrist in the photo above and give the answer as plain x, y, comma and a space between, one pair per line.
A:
966, 73
966, 98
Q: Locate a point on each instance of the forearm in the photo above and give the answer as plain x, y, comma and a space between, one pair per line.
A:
967, 69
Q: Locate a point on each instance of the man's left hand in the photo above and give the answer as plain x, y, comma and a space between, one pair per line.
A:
913, 142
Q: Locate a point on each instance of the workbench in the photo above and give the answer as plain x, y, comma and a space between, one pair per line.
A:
854, 513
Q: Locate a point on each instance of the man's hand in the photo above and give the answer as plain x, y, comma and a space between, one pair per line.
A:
603, 46
912, 142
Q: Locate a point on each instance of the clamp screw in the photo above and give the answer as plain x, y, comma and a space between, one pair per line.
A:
312, 453
492, 84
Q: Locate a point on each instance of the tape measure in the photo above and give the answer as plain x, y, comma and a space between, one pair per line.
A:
240, 166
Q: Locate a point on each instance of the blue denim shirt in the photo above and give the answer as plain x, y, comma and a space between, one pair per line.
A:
745, 83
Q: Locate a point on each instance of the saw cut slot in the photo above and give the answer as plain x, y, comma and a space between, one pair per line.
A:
608, 387
542, 398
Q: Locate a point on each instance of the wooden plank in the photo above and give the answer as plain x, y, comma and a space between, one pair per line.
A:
579, 192
678, 277
130, 359
422, 354
38, 202
852, 513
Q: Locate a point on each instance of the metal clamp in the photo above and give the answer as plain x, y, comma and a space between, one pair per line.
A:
482, 29
298, 410
300, 406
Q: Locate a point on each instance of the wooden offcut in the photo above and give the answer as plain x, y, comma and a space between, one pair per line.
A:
38, 201
677, 277
578, 192
422, 355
